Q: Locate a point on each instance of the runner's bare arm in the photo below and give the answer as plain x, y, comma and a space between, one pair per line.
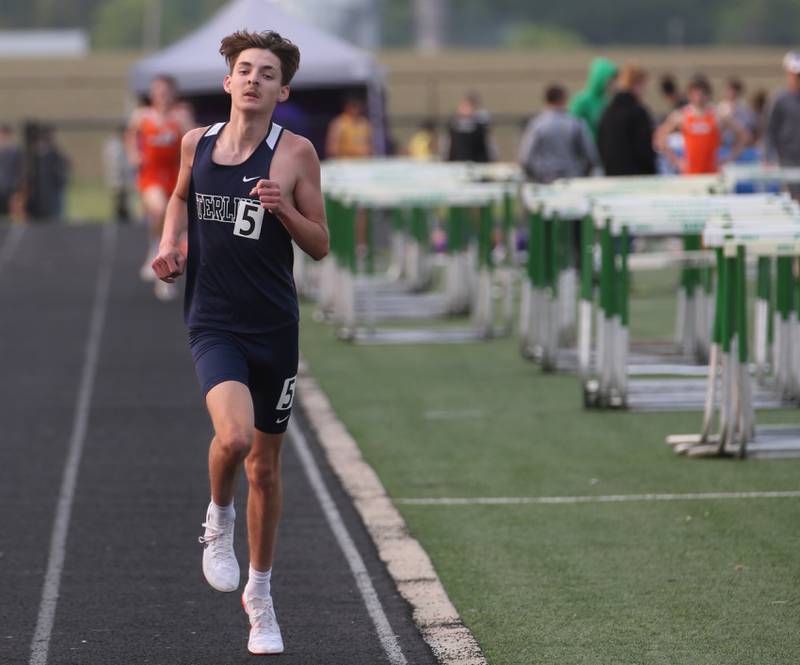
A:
132, 138
170, 262
304, 217
661, 137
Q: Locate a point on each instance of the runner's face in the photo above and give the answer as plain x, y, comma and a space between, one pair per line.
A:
255, 82
161, 93
697, 97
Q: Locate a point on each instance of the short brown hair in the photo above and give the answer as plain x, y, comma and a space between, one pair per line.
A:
631, 76
555, 94
285, 50
700, 82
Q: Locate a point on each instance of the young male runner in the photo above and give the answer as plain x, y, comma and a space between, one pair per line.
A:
153, 144
247, 188
701, 127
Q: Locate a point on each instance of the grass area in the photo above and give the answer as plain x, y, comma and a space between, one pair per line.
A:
91, 201
88, 201
704, 582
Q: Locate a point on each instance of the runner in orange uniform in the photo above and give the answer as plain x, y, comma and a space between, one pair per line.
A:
701, 128
153, 142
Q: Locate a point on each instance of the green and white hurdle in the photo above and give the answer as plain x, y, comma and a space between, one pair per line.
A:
760, 175
547, 317
729, 393
415, 197
654, 216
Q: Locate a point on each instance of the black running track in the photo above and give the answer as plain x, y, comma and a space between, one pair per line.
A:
132, 589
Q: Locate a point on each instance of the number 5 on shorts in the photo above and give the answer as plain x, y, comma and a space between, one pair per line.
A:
249, 216
287, 395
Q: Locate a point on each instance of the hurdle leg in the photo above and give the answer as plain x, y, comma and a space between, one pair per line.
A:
587, 296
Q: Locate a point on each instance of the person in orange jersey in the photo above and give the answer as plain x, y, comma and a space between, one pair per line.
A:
153, 144
701, 127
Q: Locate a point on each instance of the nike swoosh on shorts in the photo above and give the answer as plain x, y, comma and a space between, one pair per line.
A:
282, 420
245, 179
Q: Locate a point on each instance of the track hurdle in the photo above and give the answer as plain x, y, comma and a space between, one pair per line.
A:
760, 176
618, 217
729, 398
414, 204
547, 333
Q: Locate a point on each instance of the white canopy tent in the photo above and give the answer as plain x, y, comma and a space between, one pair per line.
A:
325, 60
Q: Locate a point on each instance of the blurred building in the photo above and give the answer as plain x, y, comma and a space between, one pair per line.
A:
43, 43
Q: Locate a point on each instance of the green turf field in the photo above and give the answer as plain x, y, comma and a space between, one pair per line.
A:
684, 582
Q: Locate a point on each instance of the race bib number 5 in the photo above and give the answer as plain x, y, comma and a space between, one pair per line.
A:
287, 394
249, 217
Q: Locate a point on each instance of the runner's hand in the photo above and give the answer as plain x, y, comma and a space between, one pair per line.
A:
269, 194
169, 264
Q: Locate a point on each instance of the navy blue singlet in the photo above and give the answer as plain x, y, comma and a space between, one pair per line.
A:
239, 271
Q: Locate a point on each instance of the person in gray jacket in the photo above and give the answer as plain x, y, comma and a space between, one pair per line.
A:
782, 136
556, 144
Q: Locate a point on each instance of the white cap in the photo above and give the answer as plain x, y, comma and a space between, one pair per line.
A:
791, 62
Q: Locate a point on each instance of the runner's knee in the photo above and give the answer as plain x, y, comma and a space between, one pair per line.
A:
235, 441
263, 472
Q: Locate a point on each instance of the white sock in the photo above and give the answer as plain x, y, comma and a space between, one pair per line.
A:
221, 513
258, 582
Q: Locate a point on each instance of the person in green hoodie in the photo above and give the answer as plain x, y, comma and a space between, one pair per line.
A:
589, 103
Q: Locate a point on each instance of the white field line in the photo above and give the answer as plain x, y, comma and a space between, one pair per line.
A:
608, 498
409, 565
357, 567
40, 644
454, 414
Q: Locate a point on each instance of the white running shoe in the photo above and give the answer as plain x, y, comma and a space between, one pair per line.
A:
265, 633
166, 291
219, 560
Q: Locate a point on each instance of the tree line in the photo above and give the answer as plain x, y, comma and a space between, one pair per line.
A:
487, 23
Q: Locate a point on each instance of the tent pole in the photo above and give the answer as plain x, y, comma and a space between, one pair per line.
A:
376, 114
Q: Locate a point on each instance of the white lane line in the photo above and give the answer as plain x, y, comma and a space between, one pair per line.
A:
40, 644
356, 563
609, 498
11, 242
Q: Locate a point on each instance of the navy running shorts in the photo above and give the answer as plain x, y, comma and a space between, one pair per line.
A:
265, 362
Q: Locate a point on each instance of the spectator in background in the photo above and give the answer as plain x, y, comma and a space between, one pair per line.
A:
625, 134
424, 144
671, 94
702, 128
782, 136
759, 104
349, 134
117, 174
589, 103
556, 144
469, 132
10, 174
732, 104
47, 175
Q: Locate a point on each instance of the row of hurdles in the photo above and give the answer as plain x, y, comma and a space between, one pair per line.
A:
571, 285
